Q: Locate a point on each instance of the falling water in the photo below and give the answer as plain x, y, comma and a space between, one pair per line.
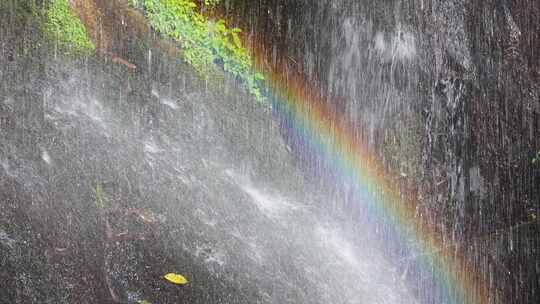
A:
112, 177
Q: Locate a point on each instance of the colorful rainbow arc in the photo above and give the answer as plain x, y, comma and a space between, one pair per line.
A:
334, 141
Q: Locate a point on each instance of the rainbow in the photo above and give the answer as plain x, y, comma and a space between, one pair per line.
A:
333, 141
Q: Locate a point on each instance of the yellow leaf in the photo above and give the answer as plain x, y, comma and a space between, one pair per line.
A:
176, 278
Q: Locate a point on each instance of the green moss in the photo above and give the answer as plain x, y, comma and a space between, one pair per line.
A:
206, 43
66, 29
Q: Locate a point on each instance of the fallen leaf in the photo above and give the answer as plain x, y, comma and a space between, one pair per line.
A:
176, 278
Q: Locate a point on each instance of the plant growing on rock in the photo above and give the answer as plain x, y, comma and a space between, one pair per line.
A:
66, 29
206, 43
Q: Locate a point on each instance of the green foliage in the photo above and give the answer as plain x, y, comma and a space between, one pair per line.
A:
211, 3
205, 43
64, 27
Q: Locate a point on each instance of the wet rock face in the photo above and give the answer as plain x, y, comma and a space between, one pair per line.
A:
462, 78
112, 177
80, 152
